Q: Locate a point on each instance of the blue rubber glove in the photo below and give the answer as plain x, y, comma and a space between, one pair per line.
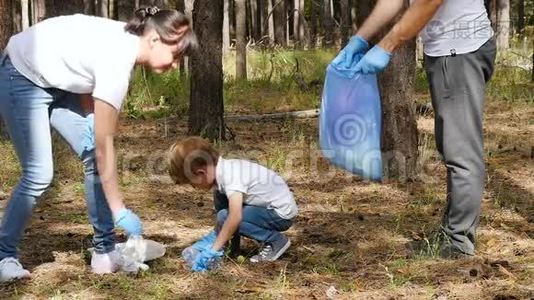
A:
374, 61
206, 242
207, 260
129, 221
347, 56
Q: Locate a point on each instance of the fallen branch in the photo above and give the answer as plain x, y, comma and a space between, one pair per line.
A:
304, 114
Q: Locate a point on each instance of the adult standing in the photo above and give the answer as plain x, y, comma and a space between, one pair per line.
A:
47, 73
459, 59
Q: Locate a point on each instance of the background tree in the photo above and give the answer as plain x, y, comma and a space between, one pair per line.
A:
328, 23
6, 30
503, 24
226, 27
241, 43
206, 101
279, 22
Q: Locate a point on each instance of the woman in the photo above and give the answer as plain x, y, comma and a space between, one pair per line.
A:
48, 75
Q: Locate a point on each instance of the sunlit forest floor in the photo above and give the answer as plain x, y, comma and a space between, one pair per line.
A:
348, 242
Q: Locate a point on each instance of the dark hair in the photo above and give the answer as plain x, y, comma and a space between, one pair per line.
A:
171, 25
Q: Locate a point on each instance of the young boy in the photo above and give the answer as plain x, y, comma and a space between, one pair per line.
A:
250, 200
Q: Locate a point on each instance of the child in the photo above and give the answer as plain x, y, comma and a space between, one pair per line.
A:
249, 199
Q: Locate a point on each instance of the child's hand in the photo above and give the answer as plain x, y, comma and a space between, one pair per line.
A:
206, 242
206, 260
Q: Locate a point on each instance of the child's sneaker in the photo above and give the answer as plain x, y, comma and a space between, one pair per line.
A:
273, 251
106, 263
11, 269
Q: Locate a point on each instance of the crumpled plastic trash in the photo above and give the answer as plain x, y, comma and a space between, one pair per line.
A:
136, 251
190, 254
350, 122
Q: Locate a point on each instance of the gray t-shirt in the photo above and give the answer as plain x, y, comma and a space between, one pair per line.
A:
260, 186
458, 27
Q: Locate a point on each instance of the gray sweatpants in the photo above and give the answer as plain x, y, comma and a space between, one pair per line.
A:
457, 87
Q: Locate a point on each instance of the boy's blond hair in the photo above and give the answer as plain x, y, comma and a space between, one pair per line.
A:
188, 155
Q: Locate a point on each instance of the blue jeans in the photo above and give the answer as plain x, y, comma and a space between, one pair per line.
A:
258, 223
29, 112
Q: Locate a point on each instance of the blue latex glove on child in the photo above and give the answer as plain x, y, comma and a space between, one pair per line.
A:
355, 58
129, 221
207, 259
206, 242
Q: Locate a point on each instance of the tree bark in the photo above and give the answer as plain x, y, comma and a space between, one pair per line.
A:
188, 11
206, 102
503, 24
89, 7
302, 24
328, 24
296, 21
226, 27
241, 43
279, 22
270, 20
255, 20
6, 23
6, 31
38, 9
399, 135
16, 15
520, 16
103, 8
346, 22
314, 9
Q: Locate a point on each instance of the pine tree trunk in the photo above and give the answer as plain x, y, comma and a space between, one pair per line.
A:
255, 20
263, 11
279, 22
16, 15
399, 135
328, 24
270, 20
226, 27
103, 8
520, 16
346, 22
302, 24
6, 23
314, 9
206, 103
6, 31
241, 44
89, 7
38, 9
296, 21
188, 11
503, 24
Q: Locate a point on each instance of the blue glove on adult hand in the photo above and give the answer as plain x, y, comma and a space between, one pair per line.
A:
129, 221
345, 58
206, 242
374, 61
206, 260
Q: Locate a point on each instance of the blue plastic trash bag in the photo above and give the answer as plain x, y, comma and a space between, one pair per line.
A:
350, 122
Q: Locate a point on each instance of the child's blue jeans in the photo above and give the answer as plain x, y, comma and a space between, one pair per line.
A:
29, 112
258, 223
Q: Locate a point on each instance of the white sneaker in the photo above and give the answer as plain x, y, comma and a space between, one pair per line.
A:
106, 263
11, 269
